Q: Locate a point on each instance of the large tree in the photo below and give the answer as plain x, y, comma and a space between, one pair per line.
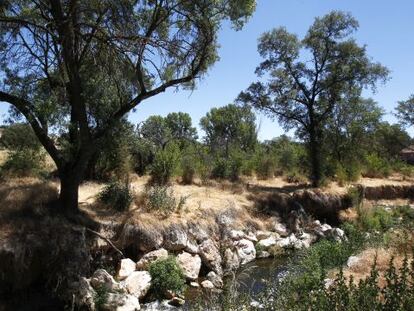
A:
405, 111
307, 78
75, 68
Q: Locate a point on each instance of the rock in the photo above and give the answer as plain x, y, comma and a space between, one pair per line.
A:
281, 229
197, 233
325, 227
328, 283
150, 257
287, 242
263, 254
337, 234
352, 261
146, 239
101, 278
138, 283
215, 279
257, 305
266, 243
177, 302
120, 302
191, 247
85, 294
231, 260
236, 234
190, 264
175, 238
207, 284
210, 256
262, 235
245, 250
251, 237
307, 239
126, 267
158, 306
194, 284
225, 219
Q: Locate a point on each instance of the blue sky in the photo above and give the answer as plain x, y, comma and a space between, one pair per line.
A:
386, 27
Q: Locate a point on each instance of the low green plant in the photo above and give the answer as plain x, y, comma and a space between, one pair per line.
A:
117, 195
23, 163
162, 199
376, 167
165, 165
100, 297
265, 167
375, 219
166, 276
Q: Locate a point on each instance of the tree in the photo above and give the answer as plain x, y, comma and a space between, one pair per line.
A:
61, 58
229, 127
405, 111
303, 92
181, 128
388, 140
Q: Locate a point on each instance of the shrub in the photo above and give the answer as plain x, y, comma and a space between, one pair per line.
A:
228, 168
117, 195
23, 162
265, 167
165, 165
376, 167
166, 275
375, 219
348, 173
100, 297
162, 199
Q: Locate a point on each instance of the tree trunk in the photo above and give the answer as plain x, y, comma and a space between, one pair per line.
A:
69, 192
315, 158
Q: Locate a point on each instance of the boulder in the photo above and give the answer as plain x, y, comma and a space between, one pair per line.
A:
287, 242
190, 264
102, 279
138, 283
207, 284
146, 239
175, 238
262, 235
147, 259
231, 260
307, 239
158, 306
263, 254
120, 302
210, 256
126, 267
268, 242
325, 227
245, 250
337, 234
194, 284
215, 279
280, 229
236, 234
352, 261
251, 237
191, 247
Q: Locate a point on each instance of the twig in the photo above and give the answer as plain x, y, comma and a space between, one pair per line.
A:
107, 241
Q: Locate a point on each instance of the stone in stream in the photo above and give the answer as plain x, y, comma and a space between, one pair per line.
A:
138, 283
190, 264
245, 250
120, 302
268, 242
158, 306
150, 257
207, 284
126, 267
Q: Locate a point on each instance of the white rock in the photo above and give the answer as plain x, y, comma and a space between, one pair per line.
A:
337, 234
328, 283
101, 278
263, 254
191, 247
352, 261
288, 241
190, 264
245, 250
207, 284
210, 256
150, 257
325, 227
256, 305
307, 239
194, 284
251, 237
262, 235
266, 243
121, 302
281, 229
215, 279
236, 234
138, 283
158, 306
126, 267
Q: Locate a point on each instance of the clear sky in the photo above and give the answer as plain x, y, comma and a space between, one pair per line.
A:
386, 27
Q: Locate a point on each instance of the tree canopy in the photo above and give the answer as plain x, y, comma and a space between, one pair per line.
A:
307, 78
77, 67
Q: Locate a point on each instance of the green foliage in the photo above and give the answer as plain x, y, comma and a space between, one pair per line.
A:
116, 195
265, 167
165, 165
375, 219
161, 199
100, 297
228, 168
23, 163
405, 111
166, 275
376, 166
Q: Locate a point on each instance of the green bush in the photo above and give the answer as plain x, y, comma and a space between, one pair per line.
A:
376, 167
265, 167
375, 219
23, 162
349, 173
165, 165
228, 168
161, 199
166, 275
116, 195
